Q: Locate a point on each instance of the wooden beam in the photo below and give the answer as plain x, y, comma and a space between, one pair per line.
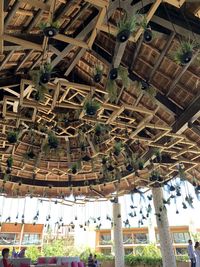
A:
72, 41
98, 23
193, 110
99, 3
6, 59
162, 55
36, 3
74, 61
1, 24
11, 13
24, 59
24, 43
176, 3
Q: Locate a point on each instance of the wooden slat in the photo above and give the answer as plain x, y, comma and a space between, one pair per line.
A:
1, 24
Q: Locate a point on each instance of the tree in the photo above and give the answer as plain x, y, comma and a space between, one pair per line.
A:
33, 253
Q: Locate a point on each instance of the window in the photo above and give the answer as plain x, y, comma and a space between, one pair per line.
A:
181, 251
128, 251
181, 237
8, 239
106, 251
140, 239
127, 239
32, 239
105, 239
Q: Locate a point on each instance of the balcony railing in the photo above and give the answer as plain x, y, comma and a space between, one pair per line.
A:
31, 242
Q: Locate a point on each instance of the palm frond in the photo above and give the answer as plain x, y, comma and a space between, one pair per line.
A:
123, 74
112, 90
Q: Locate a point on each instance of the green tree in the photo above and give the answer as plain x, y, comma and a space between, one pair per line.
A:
55, 248
33, 253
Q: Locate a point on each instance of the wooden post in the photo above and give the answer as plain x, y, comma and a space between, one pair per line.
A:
118, 236
168, 257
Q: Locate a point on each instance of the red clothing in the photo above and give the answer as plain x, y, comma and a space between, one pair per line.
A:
6, 263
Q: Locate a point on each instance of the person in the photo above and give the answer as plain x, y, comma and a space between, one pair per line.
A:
191, 253
5, 255
96, 262
197, 254
90, 261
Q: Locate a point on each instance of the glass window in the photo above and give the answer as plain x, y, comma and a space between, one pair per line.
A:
181, 251
106, 251
181, 237
8, 239
105, 239
128, 251
31, 239
140, 238
127, 239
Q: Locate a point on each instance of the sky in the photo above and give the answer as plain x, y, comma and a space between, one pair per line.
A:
30, 206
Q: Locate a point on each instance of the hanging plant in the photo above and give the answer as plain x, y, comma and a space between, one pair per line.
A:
147, 34
129, 168
30, 154
74, 168
12, 137
99, 129
40, 78
9, 162
125, 27
189, 199
118, 148
115, 74
184, 53
52, 141
146, 87
140, 164
104, 160
154, 176
86, 158
158, 155
91, 106
50, 29
98, 72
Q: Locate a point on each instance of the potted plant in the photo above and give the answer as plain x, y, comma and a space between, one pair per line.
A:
158, 155
50, 29
104, 160
12, 137
119, 73
30, 154
86, 158
52, 141
9, 162
74, 168
184, 53
91, 106
147, 34
125, 27
129, 167
117, 148
154, 176
98, 72
99, 129
140, 164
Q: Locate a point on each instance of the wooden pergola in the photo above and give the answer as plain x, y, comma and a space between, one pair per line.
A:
168, 121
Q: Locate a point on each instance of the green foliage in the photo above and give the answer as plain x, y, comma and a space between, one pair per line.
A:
98, 69
183, 258
12, 137
149, 255
56, 248
185, 47
91, 105
123, 74
111, 88
52, 140
127, 23
43, 25
33, 253
9, 162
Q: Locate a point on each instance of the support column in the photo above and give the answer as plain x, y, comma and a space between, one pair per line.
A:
167, 251
118, 236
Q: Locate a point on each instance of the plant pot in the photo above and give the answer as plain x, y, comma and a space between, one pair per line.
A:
104, 161
198, 187
98, 132
153, 178
8, 170
110, 168
116, 153
178, 193
144, 85
147, 36
113, 74
97, 78
186, 57
53, 145
86, 158
31, 155
123, 36
91, 111
50, 31
45, 77
129, 167
12, 138
74, 171
140, 166
172, 188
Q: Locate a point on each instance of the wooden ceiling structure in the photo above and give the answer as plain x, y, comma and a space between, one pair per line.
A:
87, 36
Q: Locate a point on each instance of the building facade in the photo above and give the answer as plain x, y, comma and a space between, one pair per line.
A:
134, 237
19, 235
